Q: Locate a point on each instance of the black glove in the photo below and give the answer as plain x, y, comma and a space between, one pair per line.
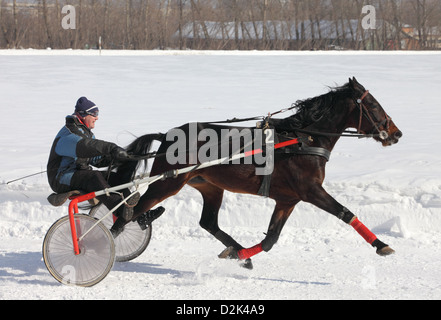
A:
120, 154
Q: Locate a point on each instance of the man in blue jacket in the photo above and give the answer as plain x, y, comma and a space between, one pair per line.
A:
75, 150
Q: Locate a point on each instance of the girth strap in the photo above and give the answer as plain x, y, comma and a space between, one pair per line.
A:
306, 150
314, 151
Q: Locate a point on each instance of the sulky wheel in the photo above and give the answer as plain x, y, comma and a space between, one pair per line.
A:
97, 252
132, 242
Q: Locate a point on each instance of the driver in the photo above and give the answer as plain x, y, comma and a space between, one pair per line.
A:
75, 150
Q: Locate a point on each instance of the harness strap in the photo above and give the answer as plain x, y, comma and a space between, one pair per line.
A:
314, 151
306, 150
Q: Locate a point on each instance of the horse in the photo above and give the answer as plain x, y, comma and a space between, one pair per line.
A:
298, 171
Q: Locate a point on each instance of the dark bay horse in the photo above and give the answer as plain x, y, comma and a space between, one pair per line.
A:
296, 176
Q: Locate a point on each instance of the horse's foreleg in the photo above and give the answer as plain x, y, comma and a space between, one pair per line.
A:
320, 198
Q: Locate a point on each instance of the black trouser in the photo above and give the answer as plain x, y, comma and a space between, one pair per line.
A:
93, 180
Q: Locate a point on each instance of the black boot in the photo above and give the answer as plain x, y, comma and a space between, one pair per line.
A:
117, 227
147, 218
124, 214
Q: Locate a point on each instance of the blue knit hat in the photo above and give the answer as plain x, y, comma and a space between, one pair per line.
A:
85, 107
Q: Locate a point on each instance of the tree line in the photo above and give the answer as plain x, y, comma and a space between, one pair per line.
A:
220, 24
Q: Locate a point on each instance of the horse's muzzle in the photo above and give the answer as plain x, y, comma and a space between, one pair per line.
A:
398, 135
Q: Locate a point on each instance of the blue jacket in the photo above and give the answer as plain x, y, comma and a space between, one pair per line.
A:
75, 148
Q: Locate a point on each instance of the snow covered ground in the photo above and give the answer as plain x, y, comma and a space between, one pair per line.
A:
395, 191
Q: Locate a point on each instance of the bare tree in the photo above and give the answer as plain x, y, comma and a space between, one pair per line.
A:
3, 26
222, 24
15, 32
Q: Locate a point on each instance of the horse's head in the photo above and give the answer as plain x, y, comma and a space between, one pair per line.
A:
372, 119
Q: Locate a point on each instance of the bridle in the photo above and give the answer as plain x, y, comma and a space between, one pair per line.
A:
365, 111
382, 134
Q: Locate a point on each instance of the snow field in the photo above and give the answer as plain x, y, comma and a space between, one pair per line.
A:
395, 191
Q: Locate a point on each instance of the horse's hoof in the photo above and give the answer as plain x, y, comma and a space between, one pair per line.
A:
229, 253
247, 264
386, 251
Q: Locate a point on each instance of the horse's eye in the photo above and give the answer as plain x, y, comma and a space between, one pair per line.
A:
372, 103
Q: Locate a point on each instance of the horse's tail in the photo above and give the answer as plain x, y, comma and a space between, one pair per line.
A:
140, 147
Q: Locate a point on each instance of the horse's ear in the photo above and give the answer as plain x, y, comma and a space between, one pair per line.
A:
353, 83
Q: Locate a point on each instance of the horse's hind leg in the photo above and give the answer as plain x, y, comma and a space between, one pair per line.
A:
158, 192
281, 213
212, 196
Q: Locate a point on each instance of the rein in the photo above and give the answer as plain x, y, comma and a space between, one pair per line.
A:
347, 133
265, 119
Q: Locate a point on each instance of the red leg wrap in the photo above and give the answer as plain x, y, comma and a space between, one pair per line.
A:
248, 253
363, 231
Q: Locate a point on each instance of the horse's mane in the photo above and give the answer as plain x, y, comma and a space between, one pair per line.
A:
312, 110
